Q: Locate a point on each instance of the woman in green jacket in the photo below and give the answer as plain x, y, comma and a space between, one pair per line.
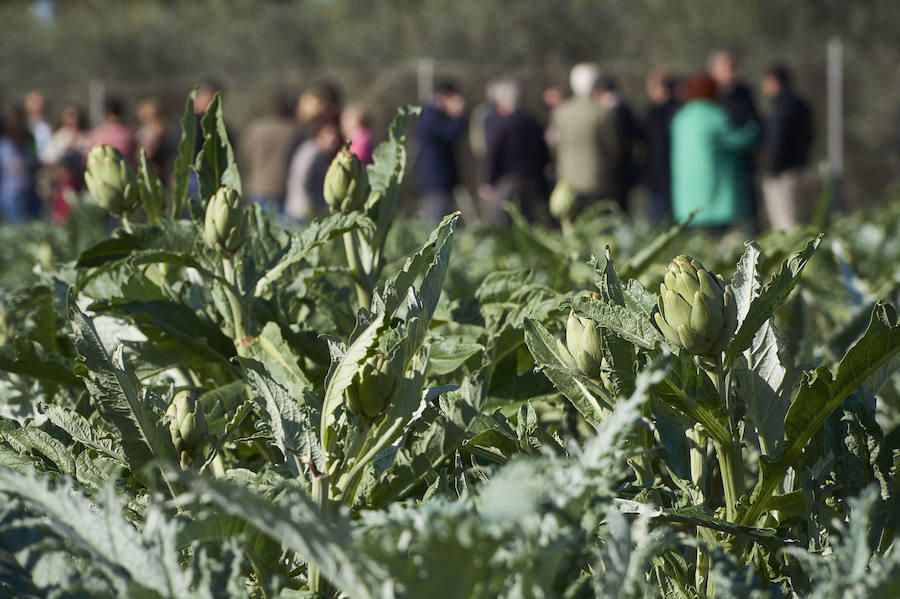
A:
707, 173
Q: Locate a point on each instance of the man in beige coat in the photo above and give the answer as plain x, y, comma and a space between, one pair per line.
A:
583, 134
264, 151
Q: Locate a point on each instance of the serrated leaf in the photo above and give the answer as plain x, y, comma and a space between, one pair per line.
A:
29, 438
690, 391
422, 300
296, 522
584, 395
773, 294
184, 161
27, 358
215, 164
638, 298
747, 280
313, 236
875, 355
290, 425
628, 324
150, 189
118, 395
342, 375
386, 173
766, 379
147, 564
447, 355
176, 321
81, 430
279, 359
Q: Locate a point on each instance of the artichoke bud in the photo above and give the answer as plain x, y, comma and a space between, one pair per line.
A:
695, 309
346, 183
111, 180
372, 386
562, 200
225, 224
187, 425
583, 346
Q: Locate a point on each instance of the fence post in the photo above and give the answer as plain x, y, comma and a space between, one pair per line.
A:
96, 97
835, 141
425, 71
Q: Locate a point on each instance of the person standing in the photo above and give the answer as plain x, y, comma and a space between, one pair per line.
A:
71, 136
707, 159
112, 131
305, 196
737, 100
264, 153
787, 138
439, 128
18, 163
64, 156
583, 134
516, 157
657, 127
624, 172
355, 129
152, 134
35, 108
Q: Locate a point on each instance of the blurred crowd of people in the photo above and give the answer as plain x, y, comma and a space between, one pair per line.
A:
700, 147
282, 155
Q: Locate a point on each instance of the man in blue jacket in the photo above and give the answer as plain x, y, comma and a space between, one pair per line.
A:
442, 123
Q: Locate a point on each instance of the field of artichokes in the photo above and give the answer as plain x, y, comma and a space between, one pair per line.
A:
206, 404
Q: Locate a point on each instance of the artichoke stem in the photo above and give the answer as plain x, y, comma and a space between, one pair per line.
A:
731, 465
237, 311
566, 224
320, 489
348, 483
218, 466
355, 264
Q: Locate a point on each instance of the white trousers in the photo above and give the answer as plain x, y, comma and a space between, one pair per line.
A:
781, 195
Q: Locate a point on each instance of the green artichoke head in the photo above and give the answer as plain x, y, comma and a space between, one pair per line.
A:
372, 386
187, 425
581, 351
562, 200
695, 309
111, 180
346, 183
225, 225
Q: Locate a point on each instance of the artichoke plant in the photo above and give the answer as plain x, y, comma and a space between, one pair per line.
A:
370, 391
346, 183
187, 426
562, 200
111, 180
225, 225
582, 349
695, 309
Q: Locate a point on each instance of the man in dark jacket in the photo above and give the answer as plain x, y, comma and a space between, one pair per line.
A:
786, 141
627, 130
657, 132
516, 158
737, 100
442, 123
